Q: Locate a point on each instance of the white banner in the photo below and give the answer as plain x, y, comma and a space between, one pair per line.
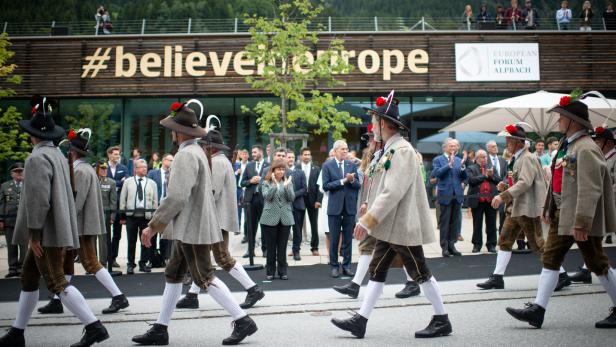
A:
497, 62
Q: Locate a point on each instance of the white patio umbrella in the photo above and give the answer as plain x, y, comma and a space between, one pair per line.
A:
532, 109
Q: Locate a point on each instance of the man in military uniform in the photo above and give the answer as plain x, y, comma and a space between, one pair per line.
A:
225, 197
108, 192
188, 216
9, 201
523, 201
398, 217
579, 208
366, 246
47, 223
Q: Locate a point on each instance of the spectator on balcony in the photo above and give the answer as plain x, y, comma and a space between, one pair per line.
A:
103, 21
563, 16
513, 15
531, 16
501, 20
484, 15
586, 17
609, 17
467, 18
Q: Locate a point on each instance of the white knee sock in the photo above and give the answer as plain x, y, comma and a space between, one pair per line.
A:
373, 291
561, 270
25, 307
194, 288
105, 279
609, 283
362, 268
241, 276
222, 295
68, 279
408, 277
76, 303
433, 293
547, 282
171, 295
502, 260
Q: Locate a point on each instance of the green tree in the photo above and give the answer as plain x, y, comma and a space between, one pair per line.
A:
14, 144
97, 118
284, 50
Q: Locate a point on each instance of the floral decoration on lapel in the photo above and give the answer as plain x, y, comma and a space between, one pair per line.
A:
383, 164
570, 162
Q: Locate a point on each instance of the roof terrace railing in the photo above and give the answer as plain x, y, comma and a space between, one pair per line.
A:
325, 24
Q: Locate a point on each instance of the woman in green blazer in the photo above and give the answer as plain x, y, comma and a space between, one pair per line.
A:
277, 217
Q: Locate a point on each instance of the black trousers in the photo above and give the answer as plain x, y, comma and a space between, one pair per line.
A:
277, 238
298, 217
412, 258
253, 214
450, 215
482, 210
134, 227
16, 253
313, 217
116, 236
341, 225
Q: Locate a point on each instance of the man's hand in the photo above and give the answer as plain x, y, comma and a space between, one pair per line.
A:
255, 179
580, 235
146, 237
496, 202
317, 205
287, 181
360, 232
363, 209
501, 186
350, 177
545, 218
35, 246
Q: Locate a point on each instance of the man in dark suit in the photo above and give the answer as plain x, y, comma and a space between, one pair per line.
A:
253, 200
341, 181
450, 172
118, 173
161, 177
500, 168
482, 181
299, 205
313, 197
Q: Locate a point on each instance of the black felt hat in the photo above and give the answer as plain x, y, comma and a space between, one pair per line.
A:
80, 140
41, 125
602, 133
388, 108
214, 139
183, 120
573, 109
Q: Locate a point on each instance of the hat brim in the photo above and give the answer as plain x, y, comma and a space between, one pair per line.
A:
504, 133
220, 146
382, 115
16, 169
171, 124
80, 151
572, 116
55, 134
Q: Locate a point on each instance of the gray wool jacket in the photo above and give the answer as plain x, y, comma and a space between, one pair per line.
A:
225, 192
89, 201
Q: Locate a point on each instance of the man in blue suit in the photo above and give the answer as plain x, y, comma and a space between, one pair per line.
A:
299, 206
341, 181
450, 173
118, 173
161, 177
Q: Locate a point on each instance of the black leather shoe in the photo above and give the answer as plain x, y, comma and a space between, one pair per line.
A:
93, 333
284, 277
351, 289
608, 239
493, 282
532, 314
446, 254
563, 281
12, 274
118, 302
269, 277
581, 276
191, 300
347, 272
144, 268
438, 326
115, 264
246, 255
254, 295
241, 328
130, 270
491, 249
335, 273
54, 306
607, 323
296, 256
411, 288
13, 338
244, 239
356, 325
157, 335
453, 251
476, 249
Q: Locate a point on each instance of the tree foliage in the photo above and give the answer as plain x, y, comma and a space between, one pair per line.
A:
289, 65
98, 118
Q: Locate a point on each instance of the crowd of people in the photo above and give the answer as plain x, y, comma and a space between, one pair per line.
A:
528, 17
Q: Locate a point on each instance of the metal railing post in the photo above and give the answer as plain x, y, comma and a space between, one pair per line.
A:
143, 26
53, 24
376, 24
513, 22
329, 24
423, 24
557, 25
189, 24
5, 25
604, 26
235, 26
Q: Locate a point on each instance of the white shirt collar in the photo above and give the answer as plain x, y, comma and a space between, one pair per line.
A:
610, 153
187, 143
517, 154
577, 135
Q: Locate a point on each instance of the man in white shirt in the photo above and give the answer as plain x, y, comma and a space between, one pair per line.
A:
563, 16
313, 198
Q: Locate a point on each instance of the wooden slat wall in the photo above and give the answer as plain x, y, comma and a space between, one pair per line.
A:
52, 66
